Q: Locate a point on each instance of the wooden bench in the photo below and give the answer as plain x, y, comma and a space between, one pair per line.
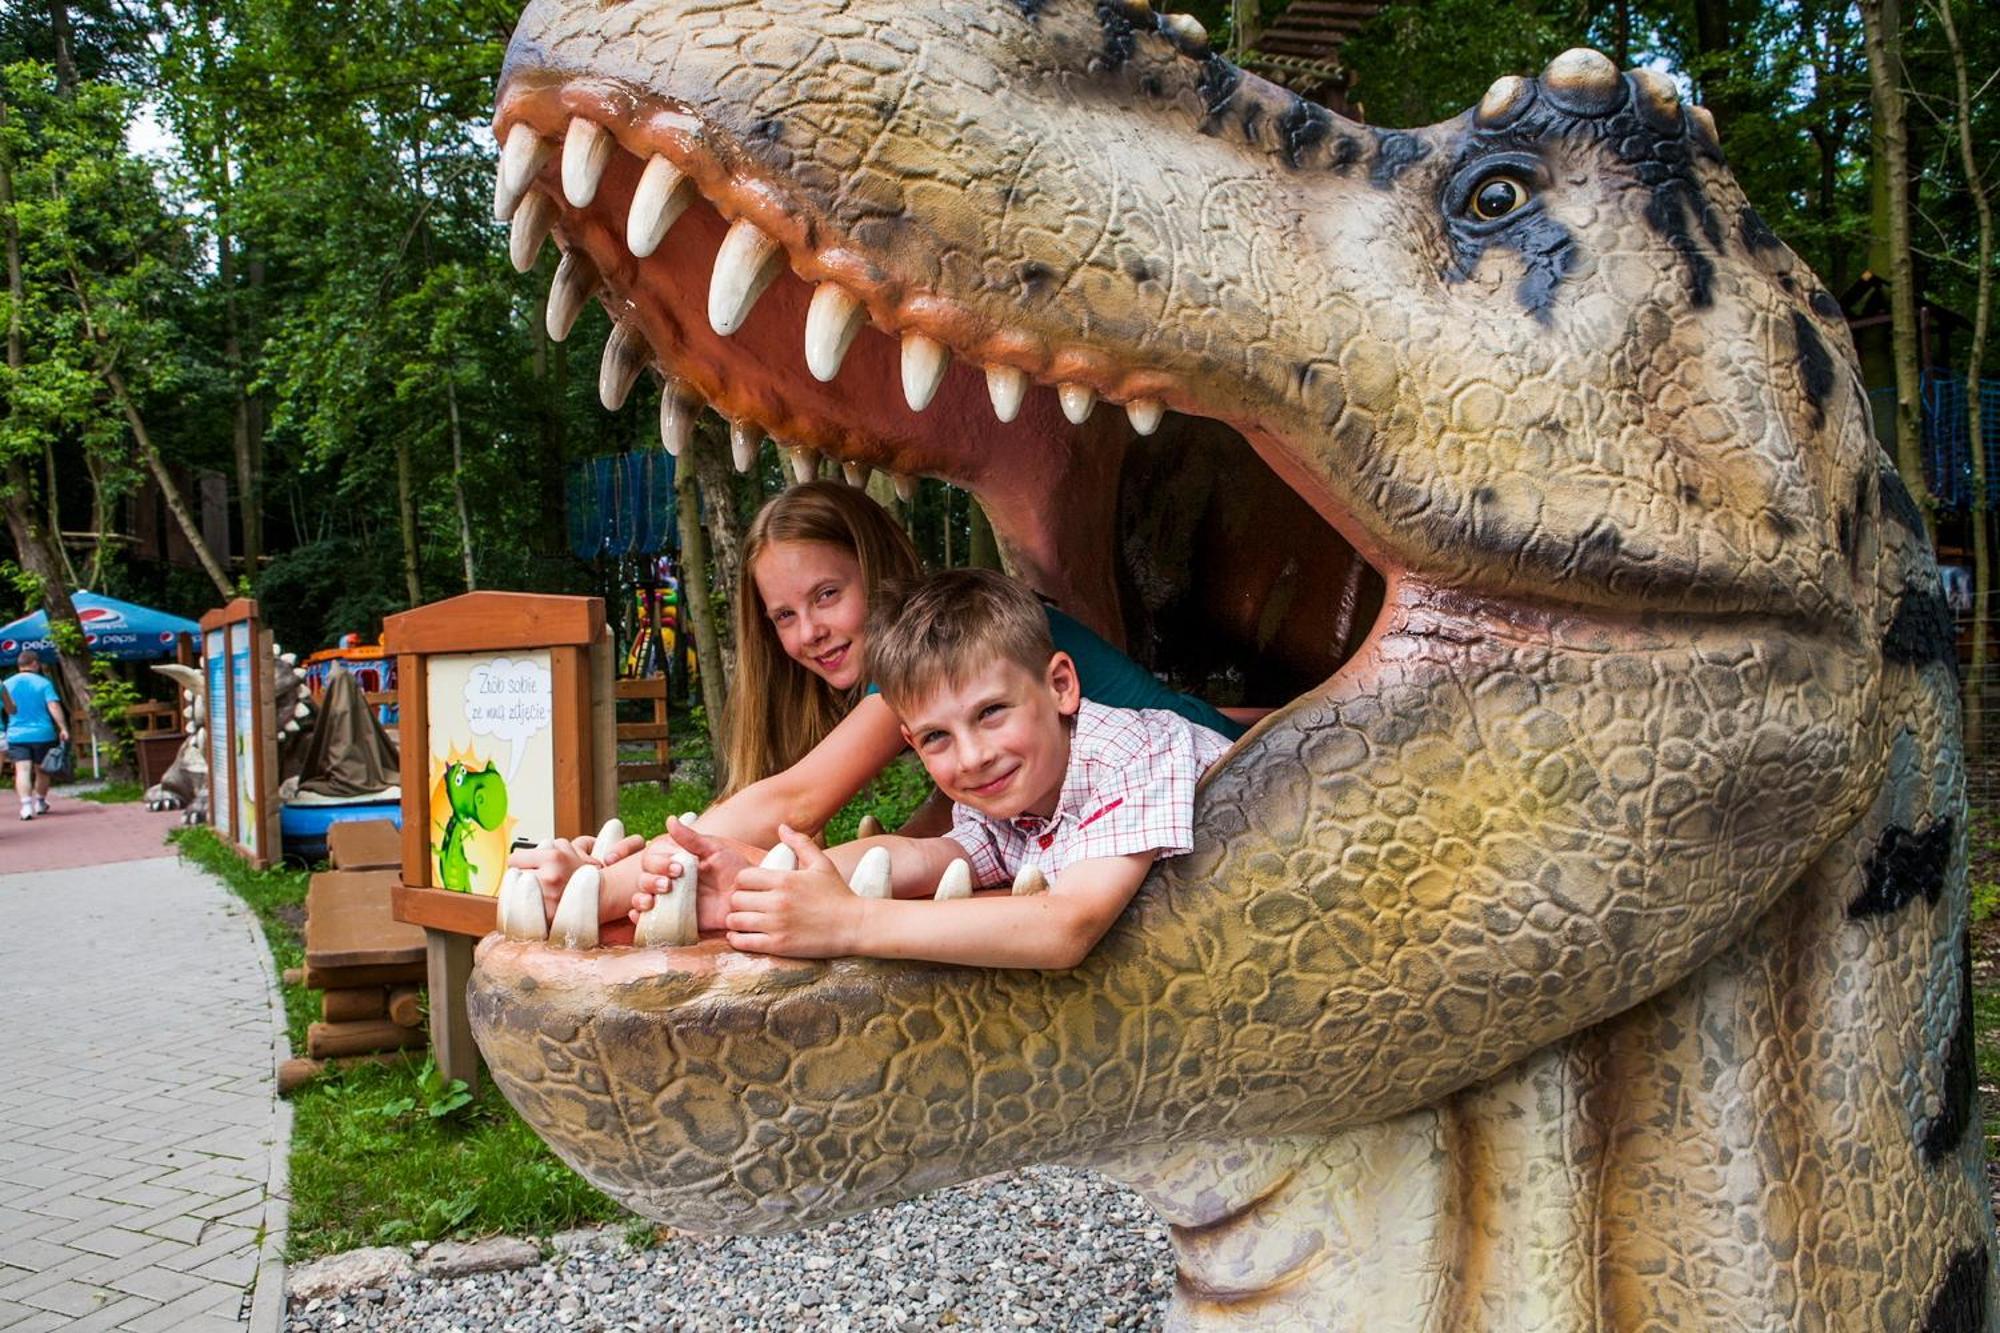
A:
369, 964
365, 844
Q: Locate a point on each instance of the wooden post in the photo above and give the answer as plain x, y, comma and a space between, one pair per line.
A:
450, 966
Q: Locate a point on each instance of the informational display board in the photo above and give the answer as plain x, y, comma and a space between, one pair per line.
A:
491, 723
241, 681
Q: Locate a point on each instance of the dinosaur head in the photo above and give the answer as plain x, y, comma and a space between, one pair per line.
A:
1465, 446
478, 795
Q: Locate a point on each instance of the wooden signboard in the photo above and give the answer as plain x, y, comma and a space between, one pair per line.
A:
242, 684
507, 713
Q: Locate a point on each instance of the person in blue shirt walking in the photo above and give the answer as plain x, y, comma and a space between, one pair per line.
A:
35, 725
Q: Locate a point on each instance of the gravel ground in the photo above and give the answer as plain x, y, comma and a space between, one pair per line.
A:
1042, 1248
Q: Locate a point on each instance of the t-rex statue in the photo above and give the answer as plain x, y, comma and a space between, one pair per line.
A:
1582, 944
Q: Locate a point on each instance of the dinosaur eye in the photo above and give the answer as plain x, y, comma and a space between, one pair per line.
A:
1495, 197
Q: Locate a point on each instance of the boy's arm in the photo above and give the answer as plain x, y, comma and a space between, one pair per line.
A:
809, 913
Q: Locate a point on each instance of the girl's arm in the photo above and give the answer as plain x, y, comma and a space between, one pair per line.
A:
808, 793
915, 864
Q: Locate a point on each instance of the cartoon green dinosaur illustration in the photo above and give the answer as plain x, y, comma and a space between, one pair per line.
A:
477, 797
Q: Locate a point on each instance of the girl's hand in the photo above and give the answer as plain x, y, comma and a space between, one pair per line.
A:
553, 865
805, 913
720, 861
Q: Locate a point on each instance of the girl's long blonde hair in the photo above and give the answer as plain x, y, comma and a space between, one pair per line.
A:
778, 710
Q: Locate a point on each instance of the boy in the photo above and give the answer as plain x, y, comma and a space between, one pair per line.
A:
1089, 795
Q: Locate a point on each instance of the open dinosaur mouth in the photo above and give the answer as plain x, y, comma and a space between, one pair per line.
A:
1166, 530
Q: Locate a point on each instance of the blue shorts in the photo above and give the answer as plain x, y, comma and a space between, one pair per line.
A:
29, 752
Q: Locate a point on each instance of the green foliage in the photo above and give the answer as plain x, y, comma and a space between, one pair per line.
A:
113, 793
112, 698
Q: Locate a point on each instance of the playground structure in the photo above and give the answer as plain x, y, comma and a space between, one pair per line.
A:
1583, 943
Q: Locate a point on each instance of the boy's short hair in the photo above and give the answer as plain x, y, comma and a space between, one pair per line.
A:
939, 629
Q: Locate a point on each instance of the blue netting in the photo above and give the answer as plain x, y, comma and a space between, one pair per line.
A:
622, 504
1947, 448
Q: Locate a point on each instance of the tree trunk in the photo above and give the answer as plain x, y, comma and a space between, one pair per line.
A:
249, 485
457, 472
717, 480
696, 603
983, 550
551, 371
52, 506
1982, 558
185, 516
1882, 20
406, 518
101, 519
59, 23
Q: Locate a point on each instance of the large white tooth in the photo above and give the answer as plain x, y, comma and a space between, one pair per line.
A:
869, 827
687, 820
663, 194
670, 922
805, 464
856, 474
956, 882
1029, 880
906, 488
609, 836
624, 359
780, 857
1077, 400
521, 159
678, 410
744, 266
832, 320
519, 915
533, 221
1006, 386
871, 874
1145, 414
744, 440
924, 363
586, 149
575, 924
575, 284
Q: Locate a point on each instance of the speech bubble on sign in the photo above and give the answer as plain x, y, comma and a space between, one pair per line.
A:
511, 700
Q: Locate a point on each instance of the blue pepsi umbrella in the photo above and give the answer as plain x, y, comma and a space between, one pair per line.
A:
118, 630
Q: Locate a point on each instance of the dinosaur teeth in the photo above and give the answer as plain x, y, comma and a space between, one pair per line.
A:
1029, 880
678, 410
780, 857
1006, 386
575, 924
744, 266
856, 474
670, 922
924, 363
521, 159
576, 283
869, 827
743, 441
663, 194
871, 874
1077, 401
1145, 414
519, 914
804, 461
956, 882
831, 323
624, 359
586, 151
906, 488
610, 835
533, 221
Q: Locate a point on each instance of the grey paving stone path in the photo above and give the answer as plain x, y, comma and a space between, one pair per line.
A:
140, 1135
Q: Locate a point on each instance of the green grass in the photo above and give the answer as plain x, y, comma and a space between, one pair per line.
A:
384, 1154
114, 793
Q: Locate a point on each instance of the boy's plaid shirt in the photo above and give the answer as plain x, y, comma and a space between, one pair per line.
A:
1129, 788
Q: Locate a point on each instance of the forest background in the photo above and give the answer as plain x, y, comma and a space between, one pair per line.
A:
253, 241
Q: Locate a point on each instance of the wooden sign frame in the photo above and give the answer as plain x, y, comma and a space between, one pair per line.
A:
238, 621
573, 632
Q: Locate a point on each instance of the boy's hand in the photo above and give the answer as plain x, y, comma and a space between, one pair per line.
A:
805, 913
554, 864
721, 860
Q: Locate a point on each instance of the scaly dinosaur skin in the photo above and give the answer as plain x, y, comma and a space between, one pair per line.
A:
1587, 951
